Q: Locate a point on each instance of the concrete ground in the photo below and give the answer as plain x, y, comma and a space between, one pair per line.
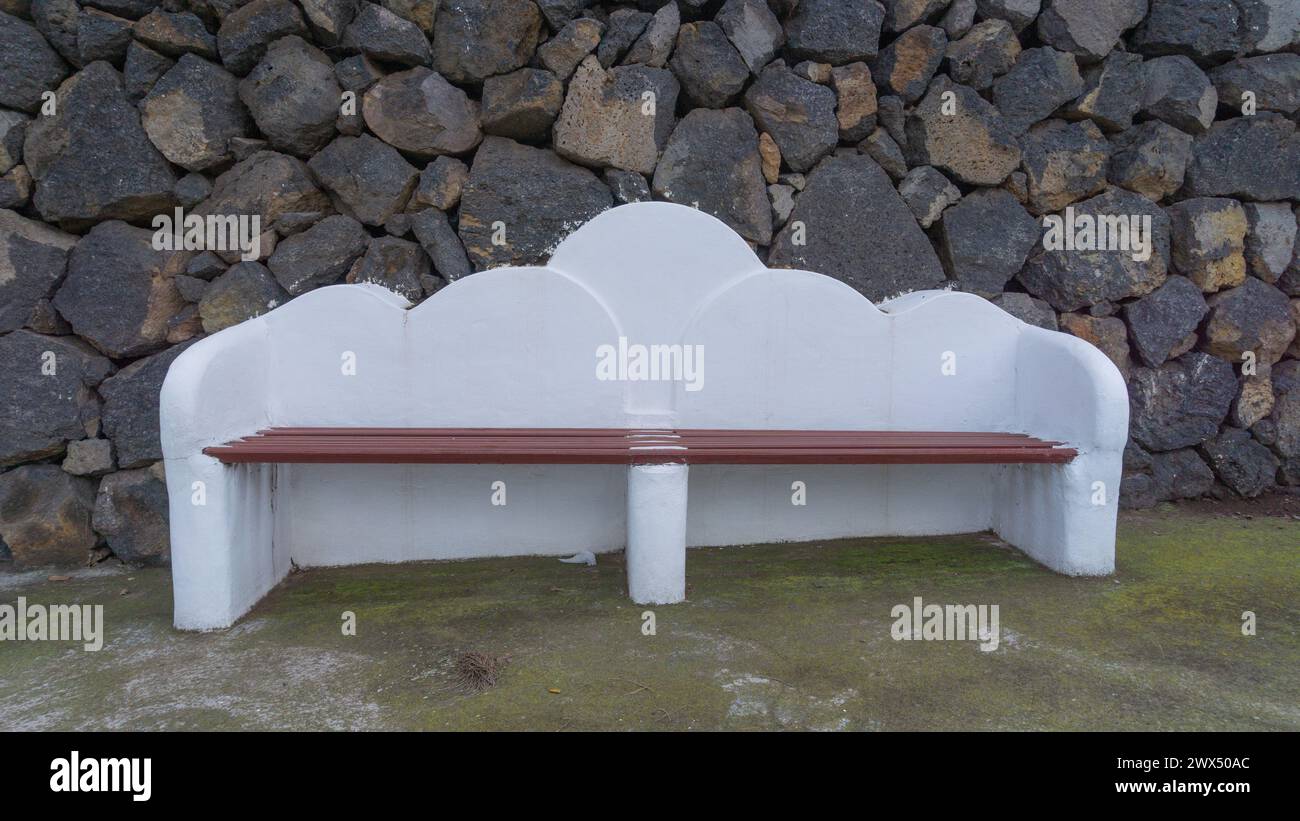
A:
772, 637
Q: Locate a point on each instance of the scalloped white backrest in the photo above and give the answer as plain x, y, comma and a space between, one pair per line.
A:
518, 346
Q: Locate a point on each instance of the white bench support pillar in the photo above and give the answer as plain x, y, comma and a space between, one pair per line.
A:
656, 533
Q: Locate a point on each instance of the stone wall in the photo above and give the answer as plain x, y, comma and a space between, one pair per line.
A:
1123, 170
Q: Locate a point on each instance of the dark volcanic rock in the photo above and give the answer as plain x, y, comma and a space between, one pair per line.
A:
901, 15
15, 187
1254, 402
1274, 79
1180, 474
537, 198
89, 457
1179, 93
522, 105
247, 31
882, 148
1250, 158
605, 121
244, 291
1019, 13
1063, 162
175, 34
131, 406
988, 51
143, 68
712, 163
1283, 423
440, 242
799, 114
561, 54
1074, 279
1113, 92
293, 96
131, 512
119, 292
382, 35
92, 160
711, 71
625, 26
1160, 321
28, 66
1041, 80
972, 143
834, 31
441, 183
984, 239
560, 12
419, 12
753, 29
45, 516
906, 65
33, 257
366, 178
47, 390
1208, 240
627, 186
656, 42
1240, 462
357, 73
474, 39
102, 36
1205, 30
1270, 239
1106, 333
855, 101
1089, 29
192, 113
321, 255
421, 114
1027, 309
396, 264
328, 19
1270, 25
1254, 317
1150, 159
269, 185
1182, 402
857, 229
192, 189
56, 20
928, 192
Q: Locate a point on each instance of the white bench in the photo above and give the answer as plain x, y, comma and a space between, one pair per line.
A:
519, 348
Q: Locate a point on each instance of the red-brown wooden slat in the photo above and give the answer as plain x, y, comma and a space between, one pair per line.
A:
623, 446
533, 433
755, 441
776, 438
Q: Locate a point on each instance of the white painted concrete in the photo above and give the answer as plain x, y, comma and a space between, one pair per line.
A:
517, 347
656, 533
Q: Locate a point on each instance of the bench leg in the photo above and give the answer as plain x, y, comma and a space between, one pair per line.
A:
656, 533
1063, 515
223, 557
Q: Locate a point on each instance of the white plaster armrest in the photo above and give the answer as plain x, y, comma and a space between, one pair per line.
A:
215, 391
1068, 390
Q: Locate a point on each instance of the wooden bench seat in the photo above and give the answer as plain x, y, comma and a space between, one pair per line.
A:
606, 446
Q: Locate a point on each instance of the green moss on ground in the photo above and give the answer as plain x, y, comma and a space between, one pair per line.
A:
773, 636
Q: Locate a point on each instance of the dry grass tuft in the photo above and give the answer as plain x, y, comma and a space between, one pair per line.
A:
476, 672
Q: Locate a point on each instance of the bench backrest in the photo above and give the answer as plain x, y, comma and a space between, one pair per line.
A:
520, 347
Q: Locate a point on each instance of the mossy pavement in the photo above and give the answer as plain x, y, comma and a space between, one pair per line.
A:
771, 637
